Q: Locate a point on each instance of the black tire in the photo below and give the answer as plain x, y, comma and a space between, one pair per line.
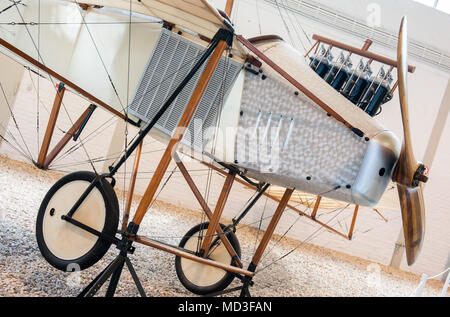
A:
219, 285
110, 225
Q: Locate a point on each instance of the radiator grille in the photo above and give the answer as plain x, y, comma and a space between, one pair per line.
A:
172, 58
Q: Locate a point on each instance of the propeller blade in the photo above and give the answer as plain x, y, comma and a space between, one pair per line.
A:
413, 216
408, 172
407, 164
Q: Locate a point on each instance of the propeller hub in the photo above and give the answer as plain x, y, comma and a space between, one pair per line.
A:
421, 175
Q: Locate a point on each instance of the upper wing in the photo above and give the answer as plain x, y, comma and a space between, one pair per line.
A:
195, 15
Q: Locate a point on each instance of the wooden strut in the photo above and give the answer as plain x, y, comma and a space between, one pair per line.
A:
126, 213
229, 7
272, 225
60, 78
278, 200
380, 214
312, 47
361, 52
48, 159
51, 125
220, 206
352, 226
316, 207
207, 210
258, 253
173, 250
367, 45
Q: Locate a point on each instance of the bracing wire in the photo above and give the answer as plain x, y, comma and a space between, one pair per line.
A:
285, 23
304, 241
17, 147
295, 23
301, 27
15, 122
308, 239
260, 223
102, 60
14, 3
56, 89
128, 97
259, 17
77, 23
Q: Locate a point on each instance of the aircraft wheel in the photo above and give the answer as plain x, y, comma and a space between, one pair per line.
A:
64, 245
200, 278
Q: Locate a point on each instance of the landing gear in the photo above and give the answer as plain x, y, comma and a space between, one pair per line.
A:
68, 247
200, 278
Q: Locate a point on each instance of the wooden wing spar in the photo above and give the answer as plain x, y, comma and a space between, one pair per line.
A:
195, 15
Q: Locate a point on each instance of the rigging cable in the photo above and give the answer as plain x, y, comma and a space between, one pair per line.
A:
309, 238
101, 59
15, 122
293, 24
285, 24
56, 89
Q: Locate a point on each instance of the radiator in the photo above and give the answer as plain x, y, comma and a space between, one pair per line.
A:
172, 58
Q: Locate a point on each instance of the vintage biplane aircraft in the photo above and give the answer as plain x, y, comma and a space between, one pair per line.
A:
271, 116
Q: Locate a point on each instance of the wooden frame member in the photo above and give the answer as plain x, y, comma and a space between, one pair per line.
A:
313, 214
361, 51
126, 212
45, 159
207, 211
51, 124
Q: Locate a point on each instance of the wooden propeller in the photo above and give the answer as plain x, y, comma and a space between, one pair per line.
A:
409, 173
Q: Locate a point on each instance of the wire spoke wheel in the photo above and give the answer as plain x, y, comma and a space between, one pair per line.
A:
64, 245
200, 278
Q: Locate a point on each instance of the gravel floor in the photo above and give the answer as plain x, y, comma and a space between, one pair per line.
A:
307, 271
